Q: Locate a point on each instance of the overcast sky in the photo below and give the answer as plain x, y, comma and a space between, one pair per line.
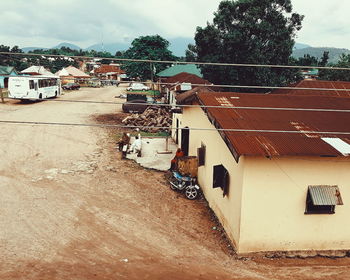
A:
46, 23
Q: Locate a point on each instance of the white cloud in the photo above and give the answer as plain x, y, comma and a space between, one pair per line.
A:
85, 22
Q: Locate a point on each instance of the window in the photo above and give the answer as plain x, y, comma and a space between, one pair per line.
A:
31, 84
221, 178
322, 199
201, 155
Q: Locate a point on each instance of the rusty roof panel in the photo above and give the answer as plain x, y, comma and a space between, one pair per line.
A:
184, 77
278, 144
317, 84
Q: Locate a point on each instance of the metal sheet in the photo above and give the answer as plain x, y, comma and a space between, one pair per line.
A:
278, 144
325, 195
317, 84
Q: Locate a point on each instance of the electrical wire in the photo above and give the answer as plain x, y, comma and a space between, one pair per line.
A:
211, 85
174, 128
199, 106
179, 62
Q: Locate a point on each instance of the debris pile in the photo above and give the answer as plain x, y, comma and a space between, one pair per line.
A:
152, 116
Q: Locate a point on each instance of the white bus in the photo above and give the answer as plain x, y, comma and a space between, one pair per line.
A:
34, 87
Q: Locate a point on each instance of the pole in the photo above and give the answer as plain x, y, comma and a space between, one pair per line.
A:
2, 95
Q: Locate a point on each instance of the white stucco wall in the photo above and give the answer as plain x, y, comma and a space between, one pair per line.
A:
265, 207
274, 199
226, 208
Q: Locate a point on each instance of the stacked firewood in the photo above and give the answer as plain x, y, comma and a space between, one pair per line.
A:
151, 117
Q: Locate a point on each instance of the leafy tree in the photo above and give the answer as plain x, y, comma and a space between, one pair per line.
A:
324, 59
150, 48
337, 75
248, 31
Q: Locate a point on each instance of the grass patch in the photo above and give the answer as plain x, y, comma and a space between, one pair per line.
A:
153, 93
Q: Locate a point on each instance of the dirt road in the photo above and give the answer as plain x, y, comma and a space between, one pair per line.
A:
71, 209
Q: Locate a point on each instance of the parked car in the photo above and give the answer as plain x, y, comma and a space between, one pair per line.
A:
137, 86
71, 86
135, 106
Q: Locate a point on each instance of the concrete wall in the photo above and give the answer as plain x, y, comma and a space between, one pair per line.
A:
274, 199
264, 210
227, 209
176, 117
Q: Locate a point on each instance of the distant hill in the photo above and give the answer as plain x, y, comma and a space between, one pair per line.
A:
177, 45
110, 47
68, 45
334, 53
299, 46
30, 49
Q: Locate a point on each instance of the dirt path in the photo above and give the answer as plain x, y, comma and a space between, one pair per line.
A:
71, 209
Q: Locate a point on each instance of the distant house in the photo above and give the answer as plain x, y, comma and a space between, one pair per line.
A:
273, 191
109, 72
180, 83
180, 68
72, 74
5, 72
37, 70
317, 87
310, 73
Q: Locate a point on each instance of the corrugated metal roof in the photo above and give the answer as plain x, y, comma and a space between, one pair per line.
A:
6, 70
186, 78
325, 195
317, 84
108, 69
176, 69
277, 144
190, 95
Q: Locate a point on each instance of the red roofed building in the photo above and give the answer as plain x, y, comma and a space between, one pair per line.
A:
274, 168
317, 87
109, 72
180, 83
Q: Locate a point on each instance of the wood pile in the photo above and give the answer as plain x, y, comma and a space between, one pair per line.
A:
152, 116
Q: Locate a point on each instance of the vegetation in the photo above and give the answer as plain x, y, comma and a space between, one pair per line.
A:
248, 31
334, 53
337, 75
150, 48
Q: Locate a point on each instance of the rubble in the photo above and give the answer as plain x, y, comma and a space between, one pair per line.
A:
152, 116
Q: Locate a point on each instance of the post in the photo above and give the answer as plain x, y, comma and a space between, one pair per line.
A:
2, 95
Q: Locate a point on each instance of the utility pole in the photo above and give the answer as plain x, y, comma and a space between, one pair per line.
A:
2, 95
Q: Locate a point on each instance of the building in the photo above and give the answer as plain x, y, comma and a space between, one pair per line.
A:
37, 70
273, 191
72, 74
109, 72
180, 83
5, 72
310, 73
317, 87
180, 68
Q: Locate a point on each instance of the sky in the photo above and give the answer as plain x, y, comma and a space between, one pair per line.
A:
46, 23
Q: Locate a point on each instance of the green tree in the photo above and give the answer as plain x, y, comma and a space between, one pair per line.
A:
337, 75
248, 31
147, 47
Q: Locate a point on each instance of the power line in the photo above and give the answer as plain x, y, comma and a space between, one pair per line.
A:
173, 128
200, 106
180, 62
209, 85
